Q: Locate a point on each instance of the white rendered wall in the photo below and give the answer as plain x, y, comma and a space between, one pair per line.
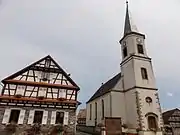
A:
107, 109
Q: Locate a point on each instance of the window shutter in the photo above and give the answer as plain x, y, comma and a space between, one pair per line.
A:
6, 116
53, 117
45, 117
21, 116
66, 118
31, 117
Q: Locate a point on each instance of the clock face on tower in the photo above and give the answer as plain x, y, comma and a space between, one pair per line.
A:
124, 43
139, 40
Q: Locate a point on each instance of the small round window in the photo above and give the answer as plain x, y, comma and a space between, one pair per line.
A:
148, 100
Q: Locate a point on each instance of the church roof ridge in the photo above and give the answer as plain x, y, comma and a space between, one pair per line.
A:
106, 87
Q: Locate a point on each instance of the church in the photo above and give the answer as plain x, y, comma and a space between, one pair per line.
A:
132, 94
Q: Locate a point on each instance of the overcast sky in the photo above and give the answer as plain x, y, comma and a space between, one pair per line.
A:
82, 36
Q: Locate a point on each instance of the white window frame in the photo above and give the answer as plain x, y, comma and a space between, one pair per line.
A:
55, 116
11, 111
38, 110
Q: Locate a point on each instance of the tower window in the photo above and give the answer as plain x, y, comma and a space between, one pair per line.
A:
140, 49
125, 51
144, 73
90, 112
148, 100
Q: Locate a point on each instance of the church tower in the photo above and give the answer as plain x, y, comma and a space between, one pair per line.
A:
143, 111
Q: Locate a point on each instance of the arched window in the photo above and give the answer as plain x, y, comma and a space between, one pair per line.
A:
152, 124
95, 110
102, 109
90, 112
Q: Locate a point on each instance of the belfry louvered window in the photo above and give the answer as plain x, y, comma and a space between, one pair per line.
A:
140, 49
125, 51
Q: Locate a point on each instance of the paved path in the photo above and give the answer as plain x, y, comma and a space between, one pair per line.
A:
81, 133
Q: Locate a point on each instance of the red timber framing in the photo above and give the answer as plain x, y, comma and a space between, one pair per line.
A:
42, 84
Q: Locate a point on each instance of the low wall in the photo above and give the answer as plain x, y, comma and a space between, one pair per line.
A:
88, 129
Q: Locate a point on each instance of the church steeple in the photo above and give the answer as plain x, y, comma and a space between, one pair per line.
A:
129, 26
132, 41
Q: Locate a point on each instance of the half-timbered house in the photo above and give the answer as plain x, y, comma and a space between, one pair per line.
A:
172, 122
40, 93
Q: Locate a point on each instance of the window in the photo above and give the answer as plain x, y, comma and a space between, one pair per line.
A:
149, 100
102, 109
144, 73
95, 110
59, 117
152, 122
125, 51
14, 116
38, 117
140, 49
45, 76
90, 112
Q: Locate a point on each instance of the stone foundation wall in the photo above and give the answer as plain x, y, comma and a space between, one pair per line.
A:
89, 129
70, 128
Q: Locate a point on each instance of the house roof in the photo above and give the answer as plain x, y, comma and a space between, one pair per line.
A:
106, 87
168, 114
9, 78
82, 113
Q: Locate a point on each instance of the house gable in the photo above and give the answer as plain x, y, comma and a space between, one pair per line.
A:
46, 70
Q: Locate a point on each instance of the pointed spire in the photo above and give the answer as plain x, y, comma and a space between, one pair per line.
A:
129, 26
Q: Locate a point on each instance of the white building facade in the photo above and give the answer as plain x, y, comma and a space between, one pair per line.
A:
131, 94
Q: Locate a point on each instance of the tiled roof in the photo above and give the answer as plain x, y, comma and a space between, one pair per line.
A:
82, 113
168, 114
105, 88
